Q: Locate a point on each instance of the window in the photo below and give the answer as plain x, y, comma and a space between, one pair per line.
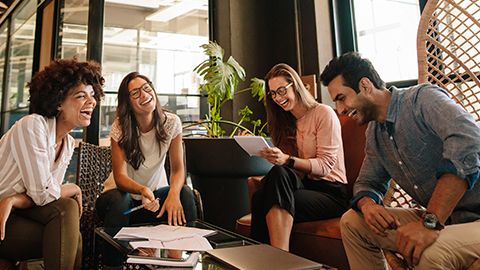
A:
20, 62
386, 32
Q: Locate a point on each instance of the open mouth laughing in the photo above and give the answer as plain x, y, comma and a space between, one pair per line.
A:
87, 112
352, 113
146, 101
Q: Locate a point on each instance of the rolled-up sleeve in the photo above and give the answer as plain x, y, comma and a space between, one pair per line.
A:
459, 133
31, 153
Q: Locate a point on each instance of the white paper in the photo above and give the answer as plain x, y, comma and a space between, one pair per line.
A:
191, 261
192, 243
251, 144
161, 232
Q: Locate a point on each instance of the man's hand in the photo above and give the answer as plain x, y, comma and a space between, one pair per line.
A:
378, 218
413, 239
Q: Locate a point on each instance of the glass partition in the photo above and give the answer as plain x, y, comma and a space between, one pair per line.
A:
20, 62
3, 47
161, 39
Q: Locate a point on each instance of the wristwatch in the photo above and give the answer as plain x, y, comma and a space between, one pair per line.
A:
291, 162
430, 221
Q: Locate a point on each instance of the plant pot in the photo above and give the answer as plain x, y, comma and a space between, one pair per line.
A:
219, 169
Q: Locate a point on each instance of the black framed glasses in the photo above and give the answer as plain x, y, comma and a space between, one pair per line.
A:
281, 91
136, 93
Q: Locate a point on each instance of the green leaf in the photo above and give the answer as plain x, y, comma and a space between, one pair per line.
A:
212, 49
258, 88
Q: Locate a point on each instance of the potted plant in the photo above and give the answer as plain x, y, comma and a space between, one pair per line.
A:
218, 166
221, 81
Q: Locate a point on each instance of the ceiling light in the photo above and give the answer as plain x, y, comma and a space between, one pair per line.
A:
176, 10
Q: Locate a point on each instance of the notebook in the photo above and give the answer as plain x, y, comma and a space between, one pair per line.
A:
262, 257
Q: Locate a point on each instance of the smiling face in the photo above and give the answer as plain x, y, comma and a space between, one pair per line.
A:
350, 103
146, 101
76, 110
288, 101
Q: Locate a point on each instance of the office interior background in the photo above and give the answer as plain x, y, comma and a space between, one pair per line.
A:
161, 39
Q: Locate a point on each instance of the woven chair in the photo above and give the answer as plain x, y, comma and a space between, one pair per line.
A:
94, 167
448, 50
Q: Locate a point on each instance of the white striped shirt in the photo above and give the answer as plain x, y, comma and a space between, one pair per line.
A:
27, 160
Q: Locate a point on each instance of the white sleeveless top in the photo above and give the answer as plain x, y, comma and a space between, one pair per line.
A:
152, 172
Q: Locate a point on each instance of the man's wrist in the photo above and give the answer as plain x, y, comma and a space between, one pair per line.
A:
430, 221
366, 200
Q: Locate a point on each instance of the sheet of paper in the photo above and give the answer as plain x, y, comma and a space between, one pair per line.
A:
251, 144
192, 243
191, 261
140, 244
161, 232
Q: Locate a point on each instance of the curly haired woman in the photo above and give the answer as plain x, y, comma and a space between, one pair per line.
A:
39, 217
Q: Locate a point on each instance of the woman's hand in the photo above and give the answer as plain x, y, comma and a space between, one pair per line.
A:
72, 191
6, 206
173, 207
78, 199
274, 155
149, 199
20, 201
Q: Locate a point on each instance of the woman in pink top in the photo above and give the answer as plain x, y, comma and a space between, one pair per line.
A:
308, 180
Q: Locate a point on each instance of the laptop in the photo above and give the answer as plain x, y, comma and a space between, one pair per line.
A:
262, 257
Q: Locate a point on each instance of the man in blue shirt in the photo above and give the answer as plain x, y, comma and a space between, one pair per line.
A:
430, 146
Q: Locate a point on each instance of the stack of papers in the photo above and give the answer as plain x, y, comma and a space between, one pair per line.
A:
167, 237
190, 262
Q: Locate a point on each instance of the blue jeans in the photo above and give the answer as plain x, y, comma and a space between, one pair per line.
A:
113, 203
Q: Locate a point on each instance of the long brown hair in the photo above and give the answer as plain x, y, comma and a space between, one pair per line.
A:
282, 125
129, 125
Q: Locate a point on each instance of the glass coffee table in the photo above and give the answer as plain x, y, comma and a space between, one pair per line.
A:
222, 239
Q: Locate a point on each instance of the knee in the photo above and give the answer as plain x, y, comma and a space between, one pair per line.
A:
114, 198
349, 221
188, 203
67, 208
278, 170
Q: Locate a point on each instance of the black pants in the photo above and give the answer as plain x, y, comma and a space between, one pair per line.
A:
305, 200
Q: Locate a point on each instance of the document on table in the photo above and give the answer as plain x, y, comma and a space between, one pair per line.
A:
161, 232
190, 243
190, 262
168, 237
252, 144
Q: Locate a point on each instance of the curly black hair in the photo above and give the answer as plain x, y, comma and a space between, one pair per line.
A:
49, 87
353, 68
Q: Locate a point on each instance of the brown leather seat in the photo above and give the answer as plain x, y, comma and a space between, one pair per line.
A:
321, 240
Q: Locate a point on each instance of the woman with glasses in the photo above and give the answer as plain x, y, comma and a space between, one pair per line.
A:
141, 136
308, 181
39, 215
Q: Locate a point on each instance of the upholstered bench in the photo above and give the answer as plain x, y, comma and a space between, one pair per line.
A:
321, 240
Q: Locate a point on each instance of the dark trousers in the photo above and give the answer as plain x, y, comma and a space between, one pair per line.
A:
113, 203
50, 232
305, 200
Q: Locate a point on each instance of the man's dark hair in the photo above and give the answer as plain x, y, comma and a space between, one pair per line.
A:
50, 87
353, 68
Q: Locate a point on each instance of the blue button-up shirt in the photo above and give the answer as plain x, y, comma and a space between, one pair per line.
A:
425, 135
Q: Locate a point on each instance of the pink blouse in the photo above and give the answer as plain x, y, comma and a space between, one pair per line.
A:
319, 139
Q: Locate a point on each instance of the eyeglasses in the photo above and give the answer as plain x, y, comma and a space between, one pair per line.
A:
281, 91
135, 93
